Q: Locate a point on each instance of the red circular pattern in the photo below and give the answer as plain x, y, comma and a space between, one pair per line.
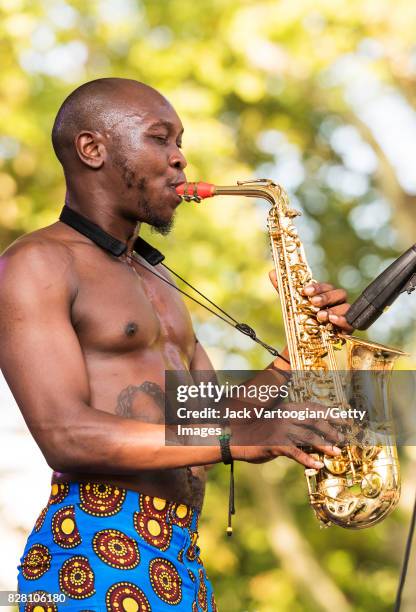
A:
41, 519
59, 491
154, 530
165, 581
194, 607
154, 506
181, 515
101, 499
36, 562
64, 528
120, 592
202, 592
38, 606
116, 549
76, 578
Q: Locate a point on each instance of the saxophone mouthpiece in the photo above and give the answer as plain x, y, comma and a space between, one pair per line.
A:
195, 192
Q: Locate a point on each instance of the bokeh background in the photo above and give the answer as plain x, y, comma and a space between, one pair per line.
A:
319, 95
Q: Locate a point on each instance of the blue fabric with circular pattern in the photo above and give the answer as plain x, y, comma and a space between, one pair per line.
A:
108, 549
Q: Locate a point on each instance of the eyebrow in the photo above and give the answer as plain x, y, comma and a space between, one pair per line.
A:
166, 124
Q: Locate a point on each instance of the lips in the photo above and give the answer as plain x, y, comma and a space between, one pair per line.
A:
173, 185
179, 181
175, 197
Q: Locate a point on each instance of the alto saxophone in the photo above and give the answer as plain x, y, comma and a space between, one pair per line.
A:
361, 486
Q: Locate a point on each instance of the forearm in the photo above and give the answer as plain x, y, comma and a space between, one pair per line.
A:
270, 383
99, 442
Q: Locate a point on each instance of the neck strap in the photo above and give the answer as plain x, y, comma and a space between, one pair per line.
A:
116, 247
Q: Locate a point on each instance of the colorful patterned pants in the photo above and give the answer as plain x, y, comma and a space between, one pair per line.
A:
108, 549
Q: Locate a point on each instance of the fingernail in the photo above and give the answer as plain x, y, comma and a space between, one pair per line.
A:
333, 318
316, 300
337, 450
318, 465
309, 290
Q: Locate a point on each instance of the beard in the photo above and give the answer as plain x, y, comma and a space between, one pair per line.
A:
158, 225
148, 215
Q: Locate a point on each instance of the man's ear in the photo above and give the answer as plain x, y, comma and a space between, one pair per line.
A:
91, 149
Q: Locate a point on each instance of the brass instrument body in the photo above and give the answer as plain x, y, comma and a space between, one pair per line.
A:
361, 486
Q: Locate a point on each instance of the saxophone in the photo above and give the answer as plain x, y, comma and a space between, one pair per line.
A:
360, 487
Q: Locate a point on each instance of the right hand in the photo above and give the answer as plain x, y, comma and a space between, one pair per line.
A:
291, 434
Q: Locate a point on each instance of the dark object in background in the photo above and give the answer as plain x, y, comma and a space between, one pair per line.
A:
399, 277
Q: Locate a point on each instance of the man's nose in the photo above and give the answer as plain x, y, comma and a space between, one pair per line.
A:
178, 160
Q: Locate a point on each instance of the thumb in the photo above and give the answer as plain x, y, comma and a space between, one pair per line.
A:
273, 278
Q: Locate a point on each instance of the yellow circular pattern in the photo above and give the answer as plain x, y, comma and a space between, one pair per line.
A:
154, 527
68, 526
181, 511
158, 503
129, 605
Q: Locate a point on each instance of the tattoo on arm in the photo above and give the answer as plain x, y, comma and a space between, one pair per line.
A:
126, 398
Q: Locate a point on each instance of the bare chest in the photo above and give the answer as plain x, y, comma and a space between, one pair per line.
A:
120, 309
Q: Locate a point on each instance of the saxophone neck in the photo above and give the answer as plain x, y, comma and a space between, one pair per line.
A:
255, 188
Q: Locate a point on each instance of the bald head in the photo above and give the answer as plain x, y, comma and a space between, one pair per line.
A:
98, 106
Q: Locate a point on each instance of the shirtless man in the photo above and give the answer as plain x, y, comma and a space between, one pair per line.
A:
86, 337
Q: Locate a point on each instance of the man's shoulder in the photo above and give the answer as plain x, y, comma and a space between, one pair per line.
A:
38, 253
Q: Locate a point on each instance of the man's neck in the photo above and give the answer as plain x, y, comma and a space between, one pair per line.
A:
100, 212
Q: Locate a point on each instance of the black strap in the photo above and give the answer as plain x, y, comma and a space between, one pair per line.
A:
92, 231
231, 501
105, 240
226, 455
148, 252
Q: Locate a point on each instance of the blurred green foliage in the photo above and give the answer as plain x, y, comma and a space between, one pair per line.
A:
279, 89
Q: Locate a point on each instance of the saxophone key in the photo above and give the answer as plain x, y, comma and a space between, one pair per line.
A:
371, 485
336, 465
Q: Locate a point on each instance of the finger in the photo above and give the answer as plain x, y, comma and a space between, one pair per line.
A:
329, 298
322, 316
320, 439
340, 322
273, 278
301, 457
317, 288
328, 428
325, 316
325, 423
340, 309
332, 421
328, 449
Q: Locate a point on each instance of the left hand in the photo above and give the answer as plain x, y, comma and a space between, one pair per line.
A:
331, 301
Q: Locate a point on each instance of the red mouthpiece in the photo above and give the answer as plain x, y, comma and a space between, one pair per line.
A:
195, 191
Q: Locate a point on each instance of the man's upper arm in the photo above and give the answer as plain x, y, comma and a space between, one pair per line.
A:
40, 355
